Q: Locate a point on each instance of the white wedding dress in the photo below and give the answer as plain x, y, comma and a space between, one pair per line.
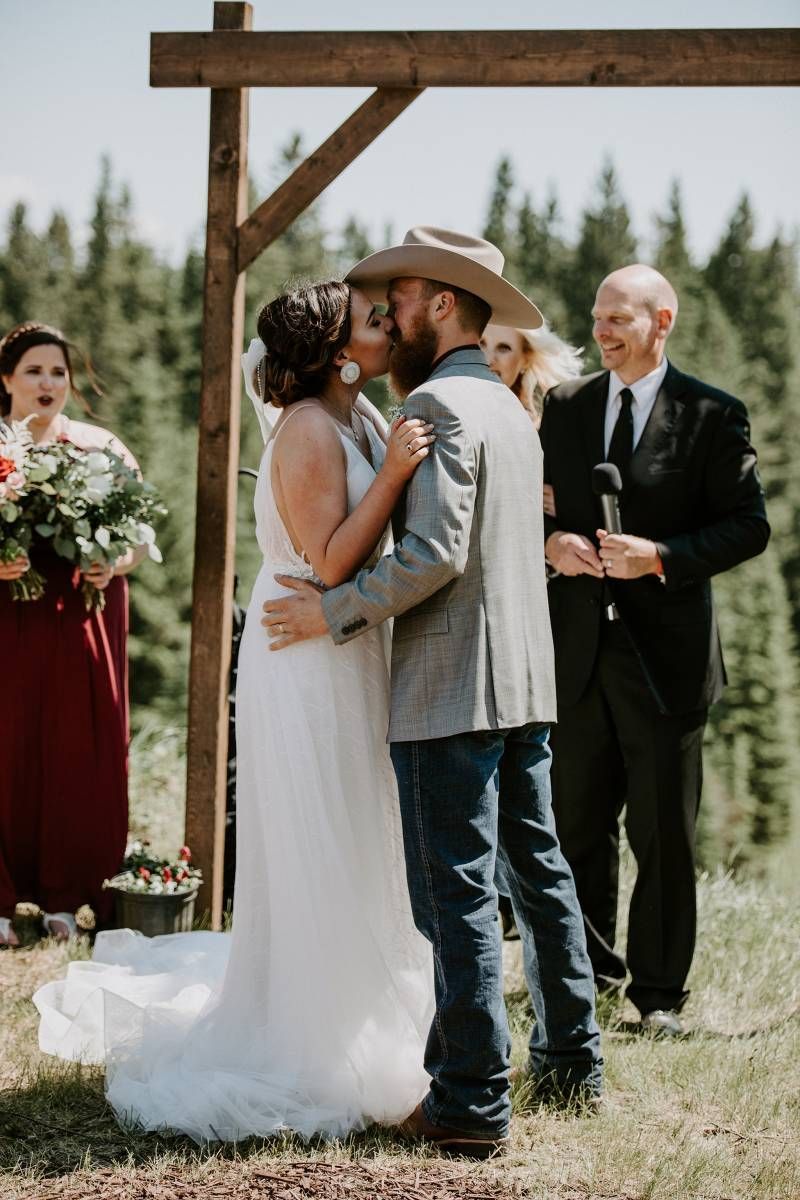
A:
313, 1013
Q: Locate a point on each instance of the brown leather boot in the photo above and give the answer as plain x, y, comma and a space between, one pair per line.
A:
450, 1141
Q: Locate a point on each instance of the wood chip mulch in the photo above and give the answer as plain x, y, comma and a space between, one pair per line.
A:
293, 1181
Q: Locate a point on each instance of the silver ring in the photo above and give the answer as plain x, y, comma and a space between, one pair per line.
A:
280, 629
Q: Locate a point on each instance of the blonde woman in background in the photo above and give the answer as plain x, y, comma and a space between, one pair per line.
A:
531, 362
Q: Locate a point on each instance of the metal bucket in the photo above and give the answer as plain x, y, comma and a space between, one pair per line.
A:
154, 915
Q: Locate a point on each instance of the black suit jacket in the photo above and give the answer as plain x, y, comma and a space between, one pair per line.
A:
695, 491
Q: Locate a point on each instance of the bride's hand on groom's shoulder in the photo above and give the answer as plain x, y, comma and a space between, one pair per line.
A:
290, 619
408, 444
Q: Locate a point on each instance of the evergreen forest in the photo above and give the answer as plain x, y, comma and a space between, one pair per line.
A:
139, 319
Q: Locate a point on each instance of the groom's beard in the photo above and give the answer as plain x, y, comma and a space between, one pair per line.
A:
412, 357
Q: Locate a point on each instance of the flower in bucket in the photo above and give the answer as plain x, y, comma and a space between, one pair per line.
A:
144, 874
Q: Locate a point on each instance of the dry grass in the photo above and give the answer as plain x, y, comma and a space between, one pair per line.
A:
713, 1117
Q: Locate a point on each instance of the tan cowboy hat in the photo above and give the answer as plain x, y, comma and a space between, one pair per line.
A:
455, 258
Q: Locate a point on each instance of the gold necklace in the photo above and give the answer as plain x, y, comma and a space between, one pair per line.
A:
355, 428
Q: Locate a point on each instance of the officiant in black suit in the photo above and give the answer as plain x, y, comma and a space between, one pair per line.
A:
638, 658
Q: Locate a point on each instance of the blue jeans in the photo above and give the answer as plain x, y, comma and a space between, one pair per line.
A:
467, 801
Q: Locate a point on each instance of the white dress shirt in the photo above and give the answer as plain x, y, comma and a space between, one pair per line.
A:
644, 391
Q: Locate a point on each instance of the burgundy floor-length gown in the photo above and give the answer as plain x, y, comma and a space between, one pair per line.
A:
63, 743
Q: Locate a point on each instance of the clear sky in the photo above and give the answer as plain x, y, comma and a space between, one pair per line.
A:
74, 84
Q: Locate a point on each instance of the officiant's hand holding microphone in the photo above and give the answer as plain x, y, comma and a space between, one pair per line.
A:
623, 555
618, 555
627, 557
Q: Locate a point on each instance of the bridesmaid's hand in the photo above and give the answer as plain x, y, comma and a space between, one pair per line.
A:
14, 570
99, 575
409, 439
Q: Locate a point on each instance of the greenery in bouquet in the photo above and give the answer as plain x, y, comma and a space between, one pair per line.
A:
144, 874
88, 504
16, 529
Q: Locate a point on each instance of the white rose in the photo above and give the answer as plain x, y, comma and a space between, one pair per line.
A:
97, 462
98, 487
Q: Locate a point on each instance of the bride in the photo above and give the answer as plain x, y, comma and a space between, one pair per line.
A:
312, 1014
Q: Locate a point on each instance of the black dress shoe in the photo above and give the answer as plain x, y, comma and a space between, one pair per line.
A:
417, 1127
662, 1022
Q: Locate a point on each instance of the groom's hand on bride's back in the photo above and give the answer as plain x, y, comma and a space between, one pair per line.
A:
296, 618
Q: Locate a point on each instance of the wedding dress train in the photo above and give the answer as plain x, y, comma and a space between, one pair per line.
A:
312, 1014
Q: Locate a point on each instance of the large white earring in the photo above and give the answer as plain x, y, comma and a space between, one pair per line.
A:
350, 372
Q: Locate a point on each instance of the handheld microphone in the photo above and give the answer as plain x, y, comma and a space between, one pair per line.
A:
607, 484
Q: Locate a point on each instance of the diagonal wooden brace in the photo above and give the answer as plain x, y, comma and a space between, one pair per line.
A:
321, 167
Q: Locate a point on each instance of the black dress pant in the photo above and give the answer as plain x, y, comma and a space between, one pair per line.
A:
614, 749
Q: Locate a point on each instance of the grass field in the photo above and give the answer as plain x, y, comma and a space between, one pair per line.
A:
715, 1116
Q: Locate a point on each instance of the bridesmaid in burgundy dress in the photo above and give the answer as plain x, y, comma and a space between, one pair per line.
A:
64, 718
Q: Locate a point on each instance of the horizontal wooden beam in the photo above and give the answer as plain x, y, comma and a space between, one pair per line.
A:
311, 178
479, 58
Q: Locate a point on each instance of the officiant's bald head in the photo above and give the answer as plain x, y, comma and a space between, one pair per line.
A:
644, 285
634, 313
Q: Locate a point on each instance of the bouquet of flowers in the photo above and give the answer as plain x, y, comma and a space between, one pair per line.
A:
88, 504
143, 873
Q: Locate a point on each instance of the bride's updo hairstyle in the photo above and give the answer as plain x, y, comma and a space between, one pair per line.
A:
303, 330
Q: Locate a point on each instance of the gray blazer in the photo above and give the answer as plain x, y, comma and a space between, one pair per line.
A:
465, 583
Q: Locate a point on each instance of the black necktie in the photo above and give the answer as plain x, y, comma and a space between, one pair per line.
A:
620, 449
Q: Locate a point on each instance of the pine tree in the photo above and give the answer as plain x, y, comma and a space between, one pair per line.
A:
59, 270
498, 227
703, 342
353, 245
22, 273
605, 243
674, 259
758, 287
752, 755
541, 262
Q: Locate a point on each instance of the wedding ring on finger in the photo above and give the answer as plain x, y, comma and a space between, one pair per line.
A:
280, 628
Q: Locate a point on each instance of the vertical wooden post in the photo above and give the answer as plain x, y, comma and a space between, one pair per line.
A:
217, 462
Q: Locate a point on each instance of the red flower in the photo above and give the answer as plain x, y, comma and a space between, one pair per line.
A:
166, 874
143, 871
182, 874
185, 854
7, 467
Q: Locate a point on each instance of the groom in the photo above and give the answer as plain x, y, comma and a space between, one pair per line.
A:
473, 693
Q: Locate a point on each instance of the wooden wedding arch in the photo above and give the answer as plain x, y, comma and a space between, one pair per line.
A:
399, 66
